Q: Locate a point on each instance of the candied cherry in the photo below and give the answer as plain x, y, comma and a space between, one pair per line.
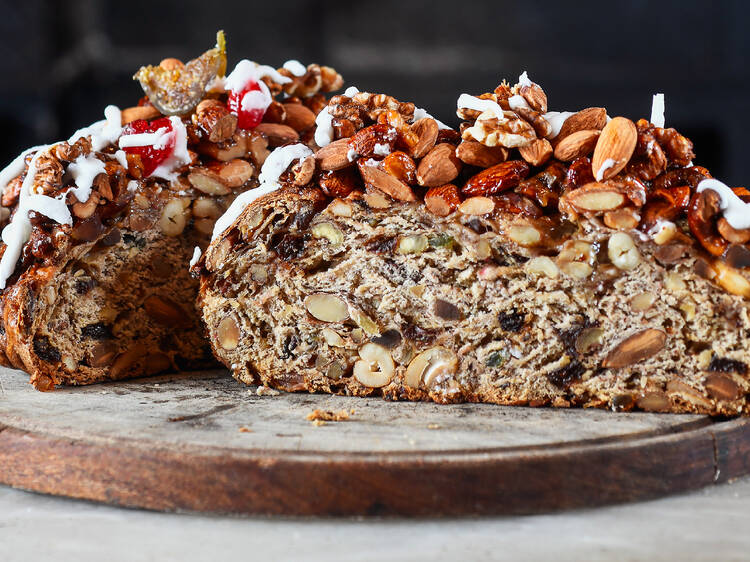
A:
151, 156
252, 114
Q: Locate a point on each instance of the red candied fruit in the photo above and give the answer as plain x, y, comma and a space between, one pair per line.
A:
151, 157
246, 118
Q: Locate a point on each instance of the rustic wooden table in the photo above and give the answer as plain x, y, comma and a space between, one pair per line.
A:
126, 444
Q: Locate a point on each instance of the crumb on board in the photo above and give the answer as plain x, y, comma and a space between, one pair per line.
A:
244, 429
265, 391
320, 417
433, 426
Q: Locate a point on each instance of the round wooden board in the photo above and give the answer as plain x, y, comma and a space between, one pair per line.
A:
175, 443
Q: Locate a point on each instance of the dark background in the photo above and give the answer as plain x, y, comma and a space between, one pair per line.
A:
63, 61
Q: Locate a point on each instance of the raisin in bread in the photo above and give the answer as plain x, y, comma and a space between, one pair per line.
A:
538, 258
100, 229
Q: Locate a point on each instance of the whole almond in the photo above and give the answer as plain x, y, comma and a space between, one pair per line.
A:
146, 112
614, 148
427, 130
636, 348
386, 183
439, 166
474, 153
500, 177
577, 145
589, 118
298, 117
334, 156
276, 133
537, 152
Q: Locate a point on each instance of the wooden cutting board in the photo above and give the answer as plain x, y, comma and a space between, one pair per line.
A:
205, 443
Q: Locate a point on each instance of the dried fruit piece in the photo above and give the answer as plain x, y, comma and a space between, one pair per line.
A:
439, 166
500, 177
176, 90
152, 155
400, 166
704, 208
636, 348
614, 148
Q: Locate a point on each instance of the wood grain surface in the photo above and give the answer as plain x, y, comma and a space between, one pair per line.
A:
205, 443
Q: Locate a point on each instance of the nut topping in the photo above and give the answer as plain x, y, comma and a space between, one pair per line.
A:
426, 130
442, 200
577, 145
636, 348
375, 367
475, 153
536, 152
327, 307
614, 148
439, 166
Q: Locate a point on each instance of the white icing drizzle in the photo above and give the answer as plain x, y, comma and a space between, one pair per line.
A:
351, 155
275, 165
556, 120
735, 210
465, 101
102, 133
524, 80
295, 67
160, 139
122, 158
380, 149
196, 256
420, 113
657, 110
83, 170
17, 233
518, 101
247, 70
257, 99
238, 205
132, 186
324, 128
606, 165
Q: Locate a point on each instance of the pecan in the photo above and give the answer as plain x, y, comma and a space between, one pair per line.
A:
406, 138
49, 172
534, 96
500, 177
648, 159
665, 204
541, 126
69, 152
678, 148
214, 119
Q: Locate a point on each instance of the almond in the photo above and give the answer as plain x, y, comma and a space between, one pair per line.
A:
477, 206
589, 118
146, 112
298, 117
636, 348
576, 145
474, 153
442, 200
722, 387
439, 166
537, 152
614, 148
334, 156
277, 134
595, 197
427, 130
501, 177
387, 183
